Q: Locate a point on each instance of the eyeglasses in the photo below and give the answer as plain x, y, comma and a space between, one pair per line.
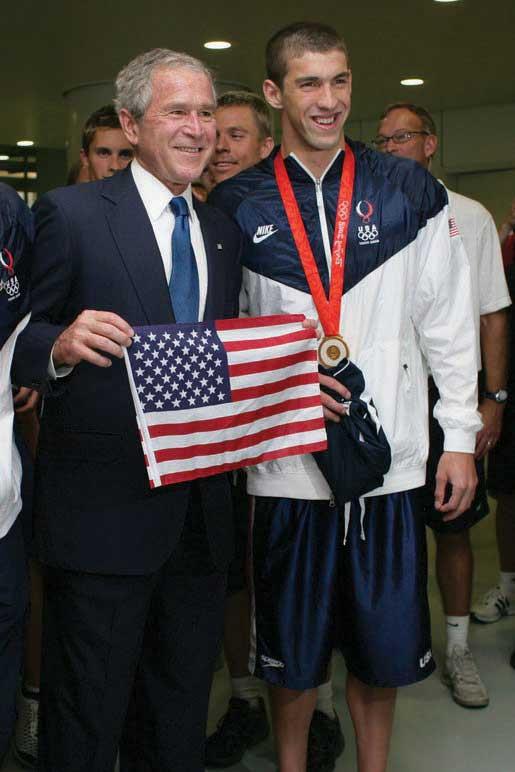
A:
398, 138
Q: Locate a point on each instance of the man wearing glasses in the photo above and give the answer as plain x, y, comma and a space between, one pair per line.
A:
408, 131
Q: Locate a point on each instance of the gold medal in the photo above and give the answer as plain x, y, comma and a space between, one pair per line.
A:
332, 350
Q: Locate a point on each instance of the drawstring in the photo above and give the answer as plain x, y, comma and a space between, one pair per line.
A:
346, 519
362, 518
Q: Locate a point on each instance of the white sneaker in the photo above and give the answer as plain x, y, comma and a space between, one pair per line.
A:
462, 677
493, 605
25, 748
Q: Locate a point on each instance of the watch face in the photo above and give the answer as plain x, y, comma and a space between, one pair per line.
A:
501, 395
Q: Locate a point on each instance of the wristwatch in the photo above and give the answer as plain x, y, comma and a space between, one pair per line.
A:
499, 396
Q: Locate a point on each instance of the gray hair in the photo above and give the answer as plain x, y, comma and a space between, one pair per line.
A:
133, 85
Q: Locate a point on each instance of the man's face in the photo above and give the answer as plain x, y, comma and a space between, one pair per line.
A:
175, 138
315, 99
238, 142
420, 147
108, 153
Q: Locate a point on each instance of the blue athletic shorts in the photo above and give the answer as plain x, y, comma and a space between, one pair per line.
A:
311, 593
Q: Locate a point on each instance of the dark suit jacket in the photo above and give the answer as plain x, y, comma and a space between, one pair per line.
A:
95, 249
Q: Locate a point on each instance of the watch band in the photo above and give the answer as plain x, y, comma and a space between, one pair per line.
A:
500, 396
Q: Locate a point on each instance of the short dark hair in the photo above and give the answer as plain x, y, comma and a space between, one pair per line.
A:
105, 117
256, 103
426, 118
296, 39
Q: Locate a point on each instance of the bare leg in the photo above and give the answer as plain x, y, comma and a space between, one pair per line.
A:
236, 633
371, 710
454, 571
291, 712
505, 528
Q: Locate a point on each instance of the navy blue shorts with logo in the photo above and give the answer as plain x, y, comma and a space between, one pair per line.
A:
311, 594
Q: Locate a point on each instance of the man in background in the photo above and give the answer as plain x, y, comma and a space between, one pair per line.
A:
243, 134
16, 234
105, 149
408, 131
243, 138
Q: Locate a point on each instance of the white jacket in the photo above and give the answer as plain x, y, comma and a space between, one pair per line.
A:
407, 302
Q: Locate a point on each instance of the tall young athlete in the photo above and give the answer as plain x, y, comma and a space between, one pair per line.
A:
388, 276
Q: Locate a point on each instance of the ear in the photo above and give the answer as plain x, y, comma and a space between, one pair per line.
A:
273, 94
430, 145
129, 126
266, 148
84, 160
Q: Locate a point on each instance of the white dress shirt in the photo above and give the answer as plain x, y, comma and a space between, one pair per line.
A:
156, 199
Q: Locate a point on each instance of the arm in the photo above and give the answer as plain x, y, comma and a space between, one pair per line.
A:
49, 330
494, 350
443, 316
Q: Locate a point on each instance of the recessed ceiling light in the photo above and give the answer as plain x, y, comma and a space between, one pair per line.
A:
217, 45
446, 1
412, 82
25, 143
4, 157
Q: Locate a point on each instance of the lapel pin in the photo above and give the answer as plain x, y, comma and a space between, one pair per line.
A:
219, 246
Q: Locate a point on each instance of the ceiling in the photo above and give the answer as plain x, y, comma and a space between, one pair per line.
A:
464, 50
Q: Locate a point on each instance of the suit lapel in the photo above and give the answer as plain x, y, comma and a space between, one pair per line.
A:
136, 243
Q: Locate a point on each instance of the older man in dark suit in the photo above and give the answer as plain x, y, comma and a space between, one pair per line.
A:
135, 578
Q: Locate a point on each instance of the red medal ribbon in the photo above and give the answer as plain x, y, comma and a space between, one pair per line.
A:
328, 309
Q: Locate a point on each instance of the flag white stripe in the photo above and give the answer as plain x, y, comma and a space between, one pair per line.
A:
256, 333
206, 462
213, 436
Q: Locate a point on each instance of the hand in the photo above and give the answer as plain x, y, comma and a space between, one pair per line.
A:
313, 324
458, 470
91, 332
25, 400
333, 409
492, 414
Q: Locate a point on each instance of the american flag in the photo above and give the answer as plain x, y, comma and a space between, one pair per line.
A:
453, 228
216, 396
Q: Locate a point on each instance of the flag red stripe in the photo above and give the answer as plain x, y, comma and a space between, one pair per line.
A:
194, 474
227, 422
248, 344
253, 392
264, 365
260, 321
228, 445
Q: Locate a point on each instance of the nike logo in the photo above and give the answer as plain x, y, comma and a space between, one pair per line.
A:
263, 232
271, 662
452, 624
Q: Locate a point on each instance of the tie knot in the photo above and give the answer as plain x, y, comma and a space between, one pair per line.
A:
179, 206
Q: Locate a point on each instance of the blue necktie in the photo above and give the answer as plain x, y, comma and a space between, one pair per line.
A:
183, 286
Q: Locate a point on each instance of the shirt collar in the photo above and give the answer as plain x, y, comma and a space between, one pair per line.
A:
155, 195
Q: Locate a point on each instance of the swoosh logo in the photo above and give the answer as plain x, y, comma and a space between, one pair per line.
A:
258, 238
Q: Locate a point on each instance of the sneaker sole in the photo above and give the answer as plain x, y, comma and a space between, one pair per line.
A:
488, 620
472, 705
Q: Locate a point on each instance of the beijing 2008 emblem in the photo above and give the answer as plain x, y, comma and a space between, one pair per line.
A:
8, 280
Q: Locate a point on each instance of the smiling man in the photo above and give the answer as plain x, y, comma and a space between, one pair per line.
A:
243, 134
395, 284
135, 579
